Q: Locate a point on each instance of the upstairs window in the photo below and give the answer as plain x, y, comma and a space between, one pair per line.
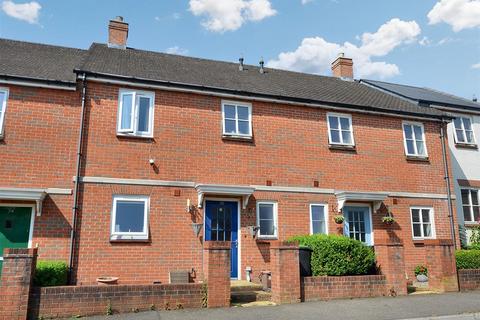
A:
318, 220
3, 108
267, 219
135, 113
471, 206
414, 138
237, 119
463, 131
340, 131
130, 218
422, 223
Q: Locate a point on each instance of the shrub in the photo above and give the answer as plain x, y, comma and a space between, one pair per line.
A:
468, 259
474, 246
475, 236
337, 255
51, 273
420, 269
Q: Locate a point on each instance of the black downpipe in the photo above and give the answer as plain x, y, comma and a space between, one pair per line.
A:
447, 179
77, 183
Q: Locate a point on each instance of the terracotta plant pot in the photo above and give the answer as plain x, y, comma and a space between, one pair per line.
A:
107, 280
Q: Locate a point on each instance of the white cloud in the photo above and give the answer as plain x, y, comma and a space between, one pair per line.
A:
177, 50
314, 55
306, 1
229, 15
425, 41
460, 14
28, 12
476, 66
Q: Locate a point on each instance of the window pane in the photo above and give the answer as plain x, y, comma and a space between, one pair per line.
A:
425, 215
242, 113
460, 136
415, 215
458, 123
469, 136
467, 216
420, 148
229, 111
476, 213
243, 127
333, 121
267, 228
345, 123
230, 126
335, 136
129, 216
418, 132
266, 211
427, 230
318, 227
417, 230
410, 147
143, 114
317, 213
465, 197
126, 116
408, 131
474, 194
347, 137
467, 124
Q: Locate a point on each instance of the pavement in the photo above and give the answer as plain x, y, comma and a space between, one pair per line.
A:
448, 306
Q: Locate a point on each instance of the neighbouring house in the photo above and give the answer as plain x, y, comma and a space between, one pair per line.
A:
463, 135
175, 151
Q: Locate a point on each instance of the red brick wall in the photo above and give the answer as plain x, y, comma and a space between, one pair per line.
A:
469, 279
216, 262
327, 288
38, 151
285, 272
53, 302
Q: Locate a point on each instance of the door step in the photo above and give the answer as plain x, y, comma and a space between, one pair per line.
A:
245, 293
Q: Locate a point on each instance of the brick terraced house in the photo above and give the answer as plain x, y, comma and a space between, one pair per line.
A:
175, 151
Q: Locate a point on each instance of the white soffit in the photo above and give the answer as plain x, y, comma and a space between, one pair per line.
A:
223, 190
346, 196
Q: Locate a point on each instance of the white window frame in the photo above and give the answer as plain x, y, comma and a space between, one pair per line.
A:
470, 204
474, 142
340, 115
130, 235
325, 211
275, 219
424, 139
3, 109
432, 222
237, 104
133, 131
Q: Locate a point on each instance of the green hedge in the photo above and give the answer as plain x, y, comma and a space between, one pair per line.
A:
468, 259
51, 273
337, 255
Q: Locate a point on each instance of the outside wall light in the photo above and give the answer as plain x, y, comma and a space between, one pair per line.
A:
252, 230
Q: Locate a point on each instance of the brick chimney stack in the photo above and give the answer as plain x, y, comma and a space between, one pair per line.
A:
117, 33
342, 67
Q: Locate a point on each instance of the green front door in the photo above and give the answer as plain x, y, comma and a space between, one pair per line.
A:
14, 228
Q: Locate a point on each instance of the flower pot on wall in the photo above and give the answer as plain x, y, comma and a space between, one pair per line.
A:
339, 219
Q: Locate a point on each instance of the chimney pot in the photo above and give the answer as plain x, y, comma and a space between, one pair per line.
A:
342, 67
240, 66
262, 63
474, 99
117, 33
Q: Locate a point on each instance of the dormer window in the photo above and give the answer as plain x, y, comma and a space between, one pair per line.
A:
464, 131
135, 113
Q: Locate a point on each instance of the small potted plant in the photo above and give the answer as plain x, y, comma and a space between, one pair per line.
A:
421, 273
388, 220
339, 219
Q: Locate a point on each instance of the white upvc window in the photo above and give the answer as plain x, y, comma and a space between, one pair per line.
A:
340, 129
423, 226
135, 113
3, 108
129, 219
414, 139
267, 216
237, 119
471, 205
463, 130
318, 218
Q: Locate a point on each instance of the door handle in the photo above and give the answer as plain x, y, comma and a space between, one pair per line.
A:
234, 243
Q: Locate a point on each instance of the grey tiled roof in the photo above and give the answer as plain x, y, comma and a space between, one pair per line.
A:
139, 65
425, 95
42, 62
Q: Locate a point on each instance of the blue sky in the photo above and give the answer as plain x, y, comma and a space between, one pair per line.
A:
433, 43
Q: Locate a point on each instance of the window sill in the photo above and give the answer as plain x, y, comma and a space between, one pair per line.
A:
237, 138
133, 136
266, 239
126, 238
471, 223
466, 145
417, 158
342, 147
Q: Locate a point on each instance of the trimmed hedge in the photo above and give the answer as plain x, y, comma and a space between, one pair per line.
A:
468, 259
338, 255
51, 273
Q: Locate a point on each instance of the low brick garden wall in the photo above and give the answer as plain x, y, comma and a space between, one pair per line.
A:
52, 302
330, 287
469, 279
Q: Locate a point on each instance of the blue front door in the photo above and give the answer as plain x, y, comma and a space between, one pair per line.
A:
357, 224
221, 224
